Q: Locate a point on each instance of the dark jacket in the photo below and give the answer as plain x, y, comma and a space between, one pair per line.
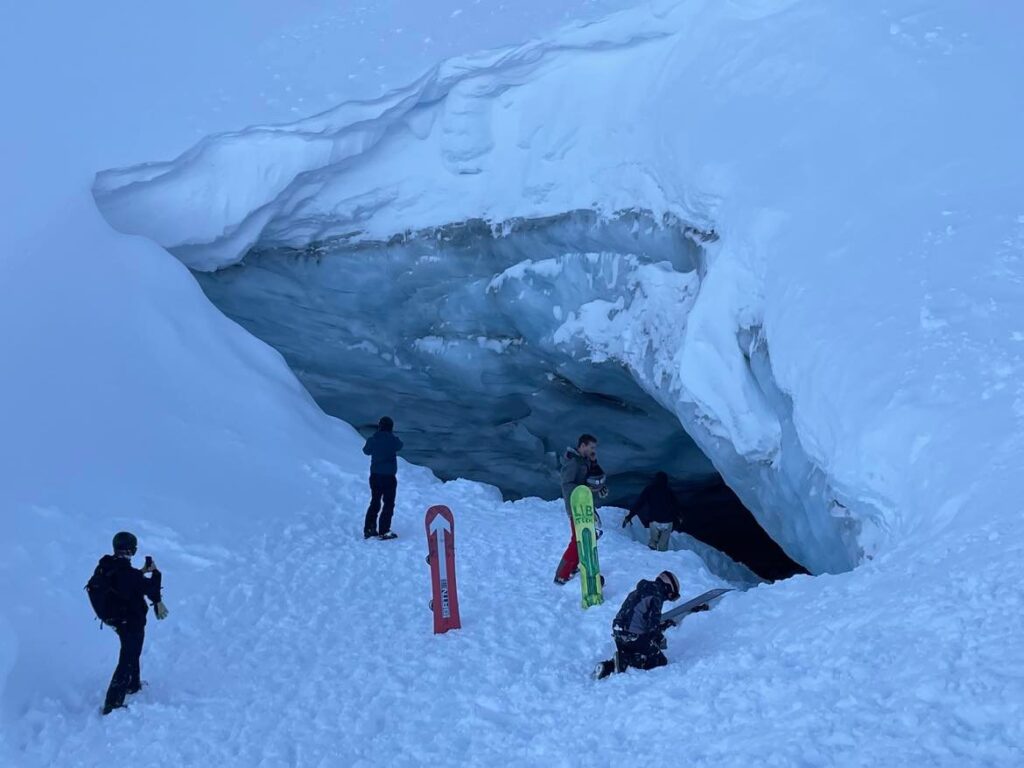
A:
576, 471
657, 503
383, 448
640, 613
133, 586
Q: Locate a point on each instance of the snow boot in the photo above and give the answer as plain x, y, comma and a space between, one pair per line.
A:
368, 534
388, 535
605, 669
560, 581
107, 708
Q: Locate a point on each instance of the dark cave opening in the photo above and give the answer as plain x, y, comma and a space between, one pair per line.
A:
451, 333
714, 514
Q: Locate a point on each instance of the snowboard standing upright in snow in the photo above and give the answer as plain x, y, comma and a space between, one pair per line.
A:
582, 503
440, 525
579, 468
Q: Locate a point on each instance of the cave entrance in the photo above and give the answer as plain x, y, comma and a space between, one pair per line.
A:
713, 514
455, 332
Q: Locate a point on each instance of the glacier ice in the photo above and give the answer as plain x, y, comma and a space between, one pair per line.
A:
430, 161
836, 452
495, 345
455, 332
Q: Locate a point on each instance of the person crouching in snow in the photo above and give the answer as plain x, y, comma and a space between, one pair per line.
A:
579, 467
638, 627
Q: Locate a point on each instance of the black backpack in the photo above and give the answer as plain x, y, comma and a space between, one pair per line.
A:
110, 605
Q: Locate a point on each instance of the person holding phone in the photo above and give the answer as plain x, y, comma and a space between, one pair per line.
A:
579, 467
118, 593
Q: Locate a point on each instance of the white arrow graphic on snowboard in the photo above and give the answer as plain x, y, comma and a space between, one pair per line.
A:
440, 526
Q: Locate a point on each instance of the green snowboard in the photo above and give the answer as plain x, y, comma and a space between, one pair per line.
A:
582, 503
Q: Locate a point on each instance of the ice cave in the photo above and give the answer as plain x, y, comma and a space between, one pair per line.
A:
460, 333
503, 286
501, 232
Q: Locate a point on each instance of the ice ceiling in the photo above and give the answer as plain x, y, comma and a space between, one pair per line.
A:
456, 333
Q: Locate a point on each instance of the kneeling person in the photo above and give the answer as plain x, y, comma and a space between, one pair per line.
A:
638, 627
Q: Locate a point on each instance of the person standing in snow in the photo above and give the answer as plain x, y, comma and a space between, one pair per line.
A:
657, 507
579, 467
382, 447
118, 592
638, 627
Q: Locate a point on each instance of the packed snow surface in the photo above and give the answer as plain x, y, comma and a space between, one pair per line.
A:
854, 348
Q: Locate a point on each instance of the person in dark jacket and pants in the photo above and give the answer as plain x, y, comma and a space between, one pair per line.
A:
382, 448
130, 588
638, 627
658, 508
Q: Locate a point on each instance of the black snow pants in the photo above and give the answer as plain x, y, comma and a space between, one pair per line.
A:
126, 677
382, 488
641, 651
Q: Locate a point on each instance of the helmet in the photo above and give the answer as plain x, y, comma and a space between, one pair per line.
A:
670, 579
386, 424
125, 543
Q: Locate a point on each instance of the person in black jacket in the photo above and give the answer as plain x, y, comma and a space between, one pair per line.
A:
658, 508
382, 448
638, 627
128, 587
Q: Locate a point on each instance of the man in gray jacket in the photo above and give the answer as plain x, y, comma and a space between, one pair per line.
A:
579, 467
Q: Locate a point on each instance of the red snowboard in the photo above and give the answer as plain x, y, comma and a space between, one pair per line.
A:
440, 527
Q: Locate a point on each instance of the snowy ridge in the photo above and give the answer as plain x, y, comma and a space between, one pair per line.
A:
279, 167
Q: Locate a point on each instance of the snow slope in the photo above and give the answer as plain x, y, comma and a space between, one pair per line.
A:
127, 400
312, 647
316, 647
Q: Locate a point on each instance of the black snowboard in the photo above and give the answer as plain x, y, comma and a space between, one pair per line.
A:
691, 605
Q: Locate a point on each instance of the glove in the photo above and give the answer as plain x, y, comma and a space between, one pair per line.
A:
666, 624
627, 520
602, 492
160, 610
700, 608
